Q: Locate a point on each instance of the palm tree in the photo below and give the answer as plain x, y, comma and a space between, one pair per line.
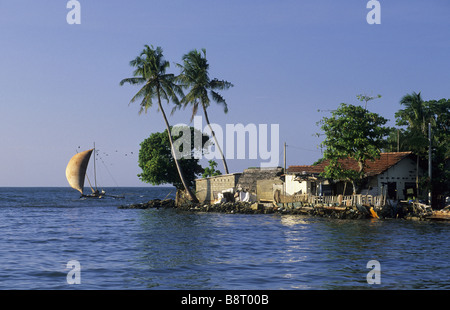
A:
415, 112
416, 116
151, 71
195, 75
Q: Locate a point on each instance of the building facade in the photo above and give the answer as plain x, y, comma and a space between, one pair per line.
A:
258, 182
393, 174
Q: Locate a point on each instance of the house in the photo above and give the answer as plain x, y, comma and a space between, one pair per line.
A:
393, 174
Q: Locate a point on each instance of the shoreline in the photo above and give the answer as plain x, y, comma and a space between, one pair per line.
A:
338, 212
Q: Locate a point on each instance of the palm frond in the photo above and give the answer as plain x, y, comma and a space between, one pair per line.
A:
143, 92
132, 81
220, 84
220, 100
150, 68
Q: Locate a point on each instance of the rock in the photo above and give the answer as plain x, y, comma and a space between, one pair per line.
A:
254, 206
155, 203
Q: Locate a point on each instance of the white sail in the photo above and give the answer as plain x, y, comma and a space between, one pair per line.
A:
76, 169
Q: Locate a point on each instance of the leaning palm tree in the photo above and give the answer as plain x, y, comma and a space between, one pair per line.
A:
150, 70
195, 75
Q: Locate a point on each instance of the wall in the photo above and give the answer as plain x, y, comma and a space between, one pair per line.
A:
293, 186
208, 188
248, 179
265, 188
400, 174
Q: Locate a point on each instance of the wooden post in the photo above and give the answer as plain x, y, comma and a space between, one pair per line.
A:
285, 174
429, 162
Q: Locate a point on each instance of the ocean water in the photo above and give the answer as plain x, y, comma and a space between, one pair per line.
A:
44, 229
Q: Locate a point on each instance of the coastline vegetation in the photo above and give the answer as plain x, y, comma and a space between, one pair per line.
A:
353, 132
158, 164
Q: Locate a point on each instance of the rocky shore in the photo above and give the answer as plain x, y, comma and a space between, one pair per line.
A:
156, 203
404, 211
258, 208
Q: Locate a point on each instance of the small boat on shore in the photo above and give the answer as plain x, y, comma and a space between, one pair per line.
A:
76, 174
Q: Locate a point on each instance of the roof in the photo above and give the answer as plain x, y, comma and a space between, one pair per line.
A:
378, 166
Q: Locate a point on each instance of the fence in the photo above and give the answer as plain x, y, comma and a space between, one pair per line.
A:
349, 200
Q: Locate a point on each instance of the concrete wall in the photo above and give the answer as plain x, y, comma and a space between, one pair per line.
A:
265, 188
208, 188
403, 174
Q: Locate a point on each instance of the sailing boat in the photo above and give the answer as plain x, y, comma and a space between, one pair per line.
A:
76, 173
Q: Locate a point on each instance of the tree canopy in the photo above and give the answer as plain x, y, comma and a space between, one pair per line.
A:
202, 89
150, 70
158, 164
211, 170
412, 135
351, 132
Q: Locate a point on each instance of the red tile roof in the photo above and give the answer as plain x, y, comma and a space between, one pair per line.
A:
378, 166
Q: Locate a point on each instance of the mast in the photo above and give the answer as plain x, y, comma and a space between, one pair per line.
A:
429, 162
285, 175
95, 173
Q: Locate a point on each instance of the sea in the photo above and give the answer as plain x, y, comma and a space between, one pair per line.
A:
51, 239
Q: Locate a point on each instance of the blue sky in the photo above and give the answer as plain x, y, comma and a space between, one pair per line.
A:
59, 83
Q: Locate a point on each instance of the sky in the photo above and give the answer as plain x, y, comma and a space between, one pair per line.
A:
290, 61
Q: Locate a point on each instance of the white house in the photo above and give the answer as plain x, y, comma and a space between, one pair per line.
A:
393, 174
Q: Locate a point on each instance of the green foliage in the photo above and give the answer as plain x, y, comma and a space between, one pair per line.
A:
158, 165
150, 70
195, 76
351, 132
366, 99
211, 170
413, 120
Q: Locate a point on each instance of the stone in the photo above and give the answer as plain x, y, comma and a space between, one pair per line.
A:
255, 206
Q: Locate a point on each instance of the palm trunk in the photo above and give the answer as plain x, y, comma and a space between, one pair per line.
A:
215, 140
191, 196
354, 187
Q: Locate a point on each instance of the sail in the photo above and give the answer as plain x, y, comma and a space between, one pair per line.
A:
76, 170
